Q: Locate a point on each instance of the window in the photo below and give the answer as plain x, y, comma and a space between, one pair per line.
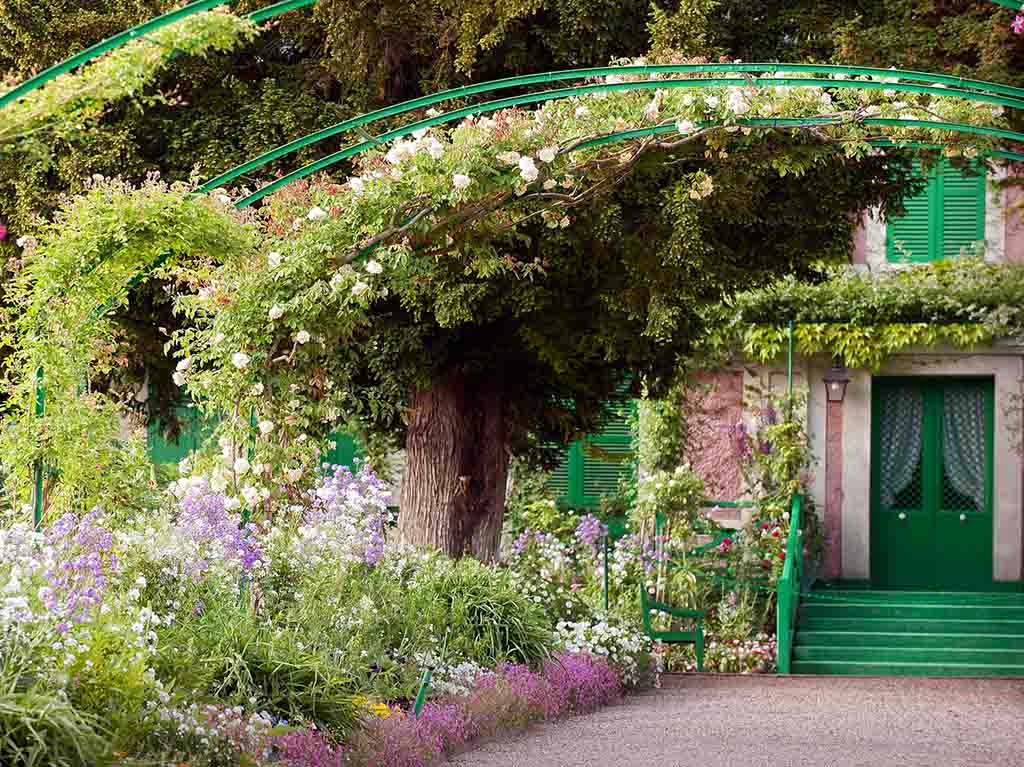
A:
948, 215
593, 466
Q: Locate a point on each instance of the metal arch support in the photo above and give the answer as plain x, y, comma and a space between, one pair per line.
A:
121, 38
562, 93
935, 84
1008, 4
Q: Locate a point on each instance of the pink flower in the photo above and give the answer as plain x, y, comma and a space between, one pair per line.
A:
3, 226
1018, 24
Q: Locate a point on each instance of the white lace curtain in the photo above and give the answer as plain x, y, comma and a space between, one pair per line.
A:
963, 442
902, 411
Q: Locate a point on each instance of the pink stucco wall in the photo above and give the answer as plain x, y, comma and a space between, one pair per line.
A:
714, 406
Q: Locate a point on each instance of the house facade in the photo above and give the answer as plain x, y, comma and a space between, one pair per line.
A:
919, 475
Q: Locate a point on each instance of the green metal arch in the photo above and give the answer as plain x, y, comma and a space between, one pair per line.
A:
121, 38
963, 87
1008, 4
562, 93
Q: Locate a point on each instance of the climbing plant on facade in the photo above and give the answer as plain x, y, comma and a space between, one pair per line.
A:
863, 318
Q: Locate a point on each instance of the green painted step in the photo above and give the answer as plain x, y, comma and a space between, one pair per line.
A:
911, 610
908, 625
913, 597
926, 655
883, 668
855, 638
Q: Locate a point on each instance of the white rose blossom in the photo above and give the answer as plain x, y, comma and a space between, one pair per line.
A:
266, 427
548, 154
241, 466
293, 475
240, 360
374, 267
527, 169
274, 259
302, 337
257, 389
359, 288
184, 364
357, 185
275, 312
315, 214
461, 181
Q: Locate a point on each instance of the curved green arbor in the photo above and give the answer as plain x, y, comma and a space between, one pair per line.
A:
696, 76
136, 32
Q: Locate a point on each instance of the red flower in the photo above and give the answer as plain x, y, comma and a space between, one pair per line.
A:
782, 555
765, 526
767, 564
775, 533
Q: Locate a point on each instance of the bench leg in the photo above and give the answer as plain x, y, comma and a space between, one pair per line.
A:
699, 648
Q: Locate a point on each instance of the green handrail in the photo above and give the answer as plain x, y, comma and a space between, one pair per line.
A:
121, 38
536, 97
788, 589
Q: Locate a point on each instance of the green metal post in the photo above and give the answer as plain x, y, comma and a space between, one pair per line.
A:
606, 572
421, 696
789, 359
37, 495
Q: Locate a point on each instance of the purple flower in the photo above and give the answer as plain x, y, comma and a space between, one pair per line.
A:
204, 520
590, 530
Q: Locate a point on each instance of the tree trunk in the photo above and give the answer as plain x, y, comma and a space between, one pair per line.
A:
453, 489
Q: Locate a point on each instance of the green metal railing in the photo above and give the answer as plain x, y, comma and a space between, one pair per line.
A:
789, 587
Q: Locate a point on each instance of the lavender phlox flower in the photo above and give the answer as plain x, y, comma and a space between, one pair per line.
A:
590, 530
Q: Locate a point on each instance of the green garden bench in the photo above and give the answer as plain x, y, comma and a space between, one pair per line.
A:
673, 636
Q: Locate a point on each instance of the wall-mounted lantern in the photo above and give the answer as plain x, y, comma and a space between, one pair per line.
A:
836, 379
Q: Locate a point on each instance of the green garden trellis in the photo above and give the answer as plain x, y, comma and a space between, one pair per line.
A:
995, 94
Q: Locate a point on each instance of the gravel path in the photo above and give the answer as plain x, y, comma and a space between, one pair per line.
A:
733, 721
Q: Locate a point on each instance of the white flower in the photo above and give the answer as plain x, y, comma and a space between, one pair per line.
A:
550, 184
527, 169
266, 427
685, 126
240, 360
302, 337
460, 181
548, 154
223, 199
582, 111
293, 475
20, 242
356, 184
251, 495
509, 158
274, 259
257, 389
736, 103
275, 312
241, 466
826, 100
564, 222
184, 364
374, 267
712, 101
432, 112
359, 288
231, 503
178, 378
218, 482
420, 133
434, 148
688, 100
315, 214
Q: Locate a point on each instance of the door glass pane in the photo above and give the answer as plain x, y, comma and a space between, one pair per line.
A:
900, 416
963, 449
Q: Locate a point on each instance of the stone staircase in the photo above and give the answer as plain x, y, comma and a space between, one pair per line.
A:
910, 633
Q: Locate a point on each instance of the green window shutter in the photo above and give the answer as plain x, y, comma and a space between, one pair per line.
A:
347, 448
909, 237
592, 467
193, 431
947, 216
963, 210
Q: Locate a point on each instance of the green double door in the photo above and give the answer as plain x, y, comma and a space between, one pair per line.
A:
931, 483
